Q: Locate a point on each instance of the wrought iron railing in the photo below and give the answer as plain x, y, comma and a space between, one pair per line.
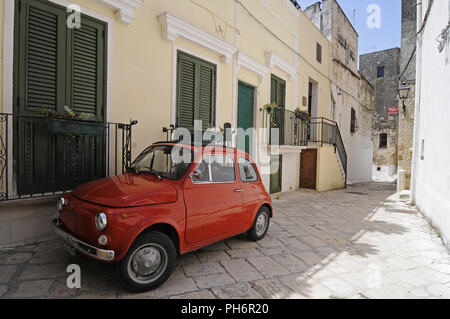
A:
296, 131
41, 156
325, 131
290, 128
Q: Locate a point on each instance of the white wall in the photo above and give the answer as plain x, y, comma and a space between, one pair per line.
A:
433, 171
360, 156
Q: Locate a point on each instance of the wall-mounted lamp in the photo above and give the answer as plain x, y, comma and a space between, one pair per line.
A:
403, 92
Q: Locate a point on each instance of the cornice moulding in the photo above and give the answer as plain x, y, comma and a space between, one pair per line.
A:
274, 60
124, 8
174, 27
252, 65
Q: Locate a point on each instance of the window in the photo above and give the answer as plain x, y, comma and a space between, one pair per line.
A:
216, 169
380, 72
247, 171
196, 91
319, 53
166, 161
278, 96
353, 125
383, 140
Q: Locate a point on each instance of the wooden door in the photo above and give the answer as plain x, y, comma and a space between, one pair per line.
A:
276, 173
245, 116
308, 168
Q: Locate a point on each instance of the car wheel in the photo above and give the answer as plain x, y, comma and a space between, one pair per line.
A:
149, 262
260, 224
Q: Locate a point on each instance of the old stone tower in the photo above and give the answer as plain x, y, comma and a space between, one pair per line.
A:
382, 70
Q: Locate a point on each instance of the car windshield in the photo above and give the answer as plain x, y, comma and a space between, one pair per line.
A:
165, 161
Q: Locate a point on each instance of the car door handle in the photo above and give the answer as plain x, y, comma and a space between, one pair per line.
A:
239, 190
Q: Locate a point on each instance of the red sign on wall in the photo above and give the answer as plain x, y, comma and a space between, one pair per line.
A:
393, 110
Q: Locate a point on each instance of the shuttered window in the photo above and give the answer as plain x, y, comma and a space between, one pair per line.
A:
196, 91
56, 65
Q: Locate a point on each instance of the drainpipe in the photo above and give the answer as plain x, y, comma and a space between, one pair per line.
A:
416, 135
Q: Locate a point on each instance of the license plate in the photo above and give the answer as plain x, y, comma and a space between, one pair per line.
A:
69, 248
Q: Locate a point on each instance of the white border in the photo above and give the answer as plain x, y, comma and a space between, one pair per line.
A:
175, 49
274, 60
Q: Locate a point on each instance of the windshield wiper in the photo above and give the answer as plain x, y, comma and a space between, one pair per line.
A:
152, 171
134, 169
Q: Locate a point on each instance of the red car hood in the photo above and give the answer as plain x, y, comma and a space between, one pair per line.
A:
127, 190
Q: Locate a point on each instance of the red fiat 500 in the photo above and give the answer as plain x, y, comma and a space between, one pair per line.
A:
173, 199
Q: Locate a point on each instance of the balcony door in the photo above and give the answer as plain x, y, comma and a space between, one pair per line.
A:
56, 66
278, 96
245, 117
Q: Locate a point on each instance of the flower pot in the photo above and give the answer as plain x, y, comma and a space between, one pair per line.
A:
59, 126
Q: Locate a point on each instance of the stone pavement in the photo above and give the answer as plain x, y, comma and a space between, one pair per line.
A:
360, 242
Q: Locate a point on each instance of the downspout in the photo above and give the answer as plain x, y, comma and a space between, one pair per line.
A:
417, 104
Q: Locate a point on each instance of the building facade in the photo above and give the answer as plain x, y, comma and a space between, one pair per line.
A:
351, 94
408, 76
161, 63
382, 70
430, 182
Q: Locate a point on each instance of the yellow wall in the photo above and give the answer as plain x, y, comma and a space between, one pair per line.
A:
142, 61
329, 174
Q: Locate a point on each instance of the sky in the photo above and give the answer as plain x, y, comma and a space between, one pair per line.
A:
378, 34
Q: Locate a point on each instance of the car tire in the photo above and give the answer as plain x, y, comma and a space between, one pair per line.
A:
148, 263
260, 224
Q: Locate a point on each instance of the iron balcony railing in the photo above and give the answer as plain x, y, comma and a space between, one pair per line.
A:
42, 156
289, 128
296, 131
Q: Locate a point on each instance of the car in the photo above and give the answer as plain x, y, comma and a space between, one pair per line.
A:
174, 198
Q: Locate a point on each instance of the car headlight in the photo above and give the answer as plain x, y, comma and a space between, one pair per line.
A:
60, 204
101, 221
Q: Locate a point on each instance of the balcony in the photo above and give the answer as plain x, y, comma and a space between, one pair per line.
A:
44, 157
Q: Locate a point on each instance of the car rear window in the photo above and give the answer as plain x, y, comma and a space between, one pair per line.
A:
247, 171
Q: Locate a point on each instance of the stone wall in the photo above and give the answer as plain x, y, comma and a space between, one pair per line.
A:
408, 75
386, 95
349, 90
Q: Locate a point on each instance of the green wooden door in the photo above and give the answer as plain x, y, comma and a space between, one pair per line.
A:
245, 117
278, 96
56, 66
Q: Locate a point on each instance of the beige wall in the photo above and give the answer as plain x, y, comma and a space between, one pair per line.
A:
329, 173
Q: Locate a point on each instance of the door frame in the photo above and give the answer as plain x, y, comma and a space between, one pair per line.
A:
315, 150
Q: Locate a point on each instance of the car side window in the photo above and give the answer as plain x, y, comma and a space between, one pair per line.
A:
247, 171
203, 169
222, 169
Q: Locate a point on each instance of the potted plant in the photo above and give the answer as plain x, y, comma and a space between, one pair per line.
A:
73, 123
270, 109
304, 116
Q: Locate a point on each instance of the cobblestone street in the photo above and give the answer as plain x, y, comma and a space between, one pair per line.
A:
360, 242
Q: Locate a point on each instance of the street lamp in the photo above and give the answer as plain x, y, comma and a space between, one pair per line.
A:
403, 92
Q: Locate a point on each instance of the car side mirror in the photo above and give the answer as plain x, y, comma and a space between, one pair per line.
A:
195, 175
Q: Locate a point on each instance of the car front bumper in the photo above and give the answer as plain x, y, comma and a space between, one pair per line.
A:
94, 252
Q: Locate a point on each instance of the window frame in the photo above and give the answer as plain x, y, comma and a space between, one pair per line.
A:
209, 170
379, 141
318, 52
254, 167
378, 72
353, 121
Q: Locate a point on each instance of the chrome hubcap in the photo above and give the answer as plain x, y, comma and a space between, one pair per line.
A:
147, 263
261, 223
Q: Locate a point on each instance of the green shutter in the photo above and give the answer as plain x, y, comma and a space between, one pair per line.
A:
186, 92
41, 57
207, 95
196, 91
86, 72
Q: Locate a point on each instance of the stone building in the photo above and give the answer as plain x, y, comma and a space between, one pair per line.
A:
351, 94
408, 76
382, 70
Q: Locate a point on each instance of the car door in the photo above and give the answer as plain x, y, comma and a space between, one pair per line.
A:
213, 199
